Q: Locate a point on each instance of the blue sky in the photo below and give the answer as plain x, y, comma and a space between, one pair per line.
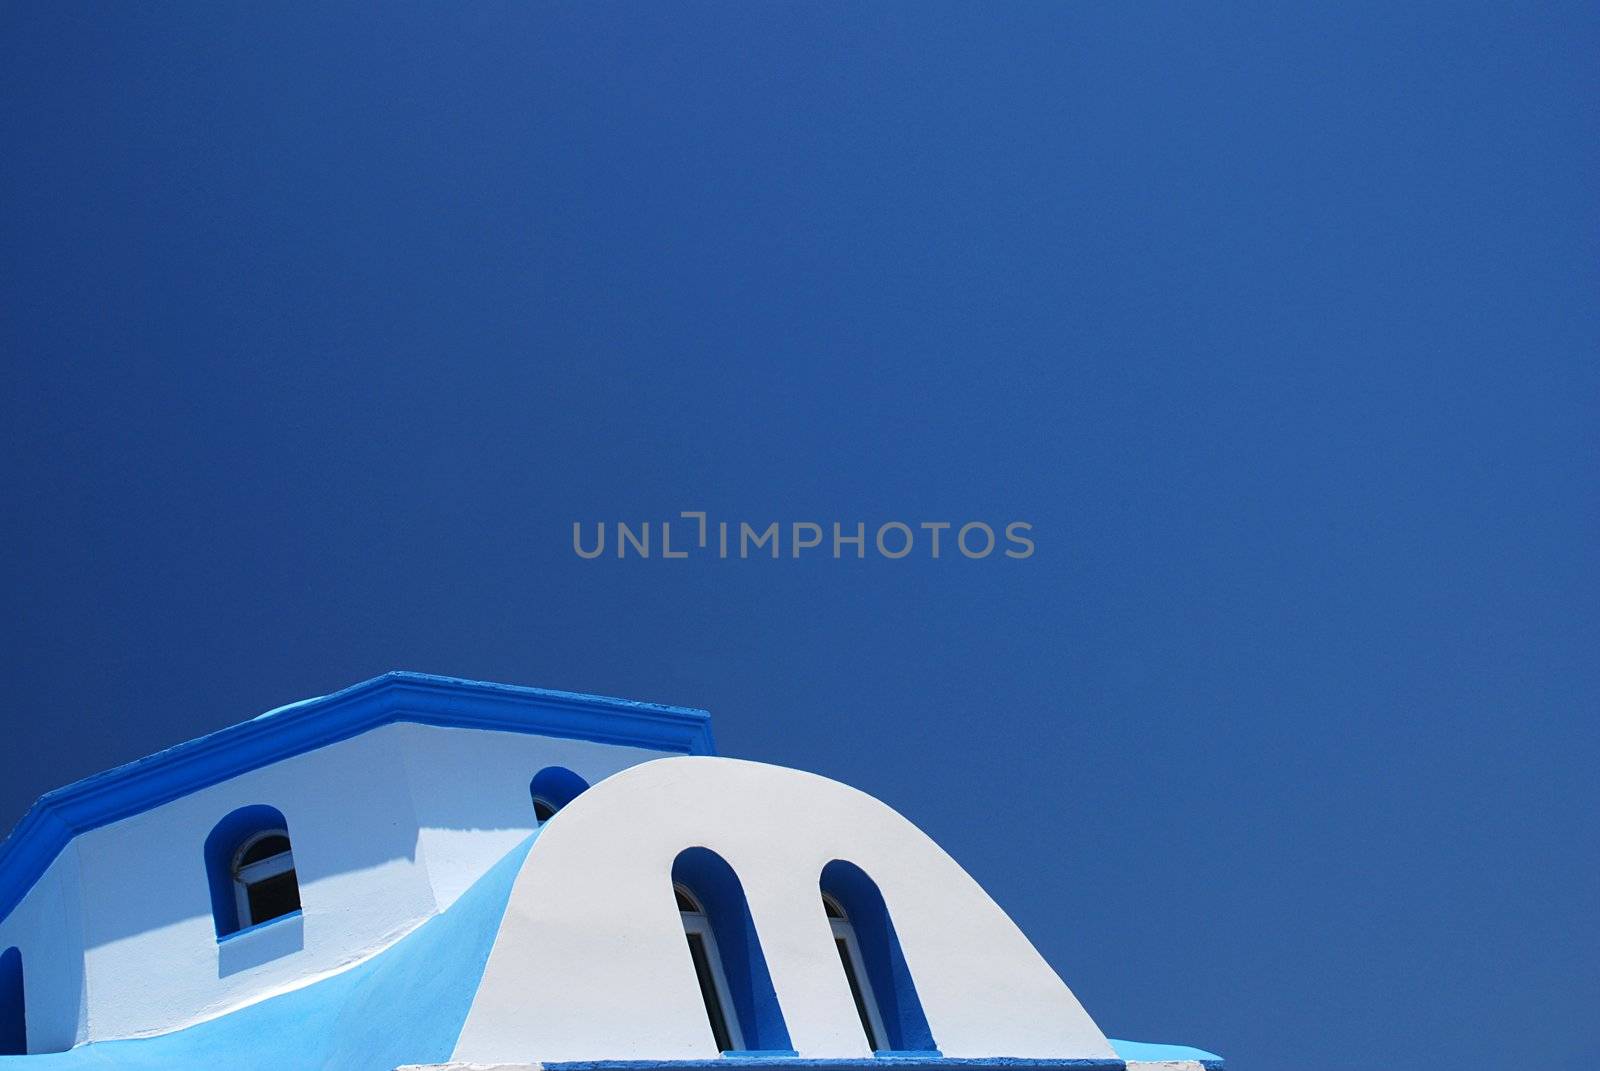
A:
321, 326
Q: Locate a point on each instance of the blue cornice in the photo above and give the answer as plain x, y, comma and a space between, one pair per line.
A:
420, 698
909, 1061
881, 1062
875, 1063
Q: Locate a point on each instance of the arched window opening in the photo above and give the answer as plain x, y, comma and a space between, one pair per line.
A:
874, 967
552, 788
250, 863
264, 882
731, 971
855, 973
708, 972
13, 1009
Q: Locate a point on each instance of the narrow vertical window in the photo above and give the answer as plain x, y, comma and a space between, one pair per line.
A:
875, 970
730, 971
708, 971
13, 1009
855, 972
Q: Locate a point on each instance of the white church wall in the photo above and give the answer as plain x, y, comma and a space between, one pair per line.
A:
463, 833
153, 959
45, 927
593, 930
387, 828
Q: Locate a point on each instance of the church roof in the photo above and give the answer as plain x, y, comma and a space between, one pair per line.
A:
400, 696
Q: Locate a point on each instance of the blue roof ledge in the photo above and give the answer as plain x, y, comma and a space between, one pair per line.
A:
400, 696
1177, 1053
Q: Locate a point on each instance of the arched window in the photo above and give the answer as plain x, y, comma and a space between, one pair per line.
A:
855, 972
552, 788
708, 971
874, 967
13, 1009
730, 970
264, 883
250, 862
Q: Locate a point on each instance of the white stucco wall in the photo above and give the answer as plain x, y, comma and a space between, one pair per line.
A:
463, 833
388, 828
590, 960
47, 927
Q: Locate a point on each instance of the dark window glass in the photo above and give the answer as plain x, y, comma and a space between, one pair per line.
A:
265, 848
274, 896
542, 811
855, 993
708, 992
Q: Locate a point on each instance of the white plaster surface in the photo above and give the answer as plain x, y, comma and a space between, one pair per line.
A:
45, 926
388, 828
590, 961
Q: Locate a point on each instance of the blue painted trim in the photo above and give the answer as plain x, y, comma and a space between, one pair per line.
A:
234, 935
993, 1063
902, 1061
557, 786
223, 841
744, 966
419, 698
894, 990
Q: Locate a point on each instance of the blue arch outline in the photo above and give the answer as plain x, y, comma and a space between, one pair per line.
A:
557, 785
224, 839
744, 966
892, 985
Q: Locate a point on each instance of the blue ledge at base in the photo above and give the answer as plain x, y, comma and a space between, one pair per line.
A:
1151, 1051
875, 1063
1126, 1051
